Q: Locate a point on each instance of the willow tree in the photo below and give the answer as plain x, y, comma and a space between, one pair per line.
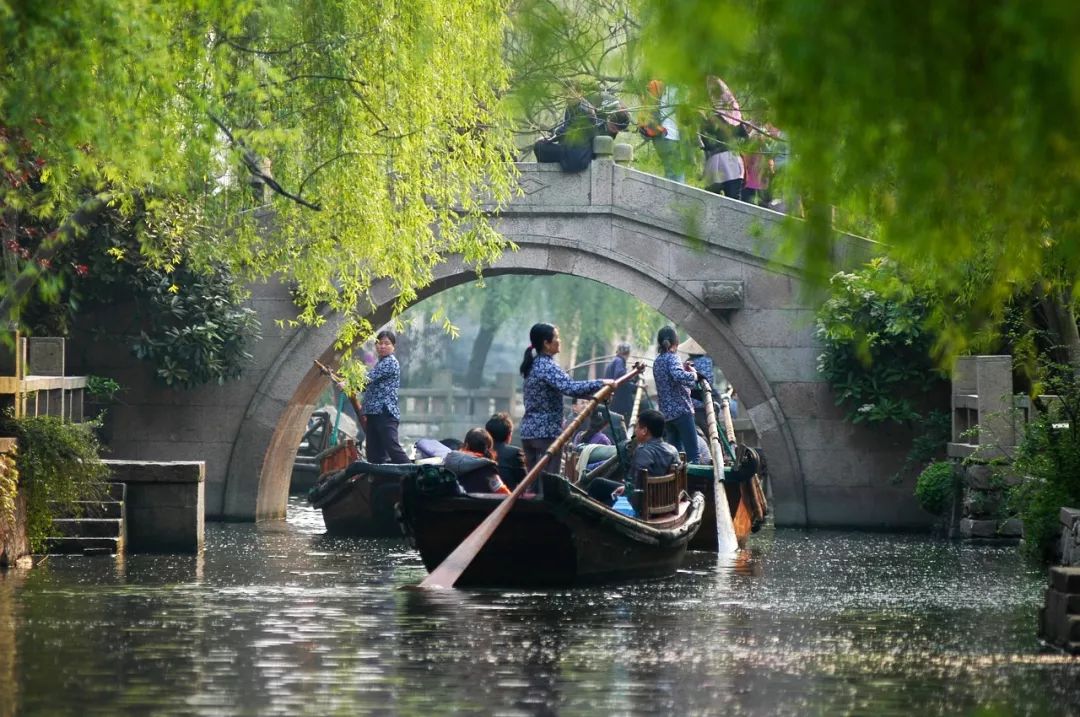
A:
370, 129
950, 127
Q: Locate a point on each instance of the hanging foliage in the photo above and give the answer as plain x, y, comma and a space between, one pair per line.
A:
329, 139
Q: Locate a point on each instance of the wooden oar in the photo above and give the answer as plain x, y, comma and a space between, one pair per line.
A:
451, 568
329, 373
632, 421
725, 528
729, 427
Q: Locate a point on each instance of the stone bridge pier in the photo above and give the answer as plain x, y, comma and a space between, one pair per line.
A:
708, 263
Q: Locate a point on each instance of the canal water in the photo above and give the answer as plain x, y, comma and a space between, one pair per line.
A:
279, 619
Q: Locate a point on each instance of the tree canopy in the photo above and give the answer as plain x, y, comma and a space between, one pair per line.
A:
944, 130
350, 128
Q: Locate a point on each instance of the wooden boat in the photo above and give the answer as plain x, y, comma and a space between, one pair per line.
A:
741, 486
319, 441
563, 538
361, 504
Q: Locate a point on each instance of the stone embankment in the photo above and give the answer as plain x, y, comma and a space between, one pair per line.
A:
1059, 618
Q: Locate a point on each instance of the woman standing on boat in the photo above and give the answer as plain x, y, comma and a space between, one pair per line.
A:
673, 384
381, 404
545, 385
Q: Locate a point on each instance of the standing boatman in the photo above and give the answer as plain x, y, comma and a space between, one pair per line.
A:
623, 400
381, 404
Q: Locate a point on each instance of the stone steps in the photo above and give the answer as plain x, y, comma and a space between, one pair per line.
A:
93, 509
88, 527
1059, 618
83, 546
94, 527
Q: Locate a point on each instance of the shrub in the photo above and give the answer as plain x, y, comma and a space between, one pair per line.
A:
876, 345
1049, 458
102, 389
58, 464
936, 486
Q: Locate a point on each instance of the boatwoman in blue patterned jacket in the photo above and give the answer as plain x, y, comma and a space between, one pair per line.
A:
381, 404
673, 384
545, 385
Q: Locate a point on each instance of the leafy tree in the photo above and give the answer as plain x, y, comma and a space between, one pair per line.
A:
875, 345
360, 125
591, 316
947, 128
189, 323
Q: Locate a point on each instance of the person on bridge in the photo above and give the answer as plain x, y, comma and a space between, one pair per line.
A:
587, 116
673, 385
721, 131
381, 404
657, 124
545, 385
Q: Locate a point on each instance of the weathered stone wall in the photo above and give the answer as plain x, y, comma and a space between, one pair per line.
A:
1069, 545
14, 546
984, 511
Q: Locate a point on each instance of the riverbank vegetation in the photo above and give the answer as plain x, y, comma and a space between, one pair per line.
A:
1049, 457
58, 464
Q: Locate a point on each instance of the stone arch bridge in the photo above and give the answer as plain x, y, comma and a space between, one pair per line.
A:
707, 263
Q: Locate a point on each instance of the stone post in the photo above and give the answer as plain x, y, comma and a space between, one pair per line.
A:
601, 171
165, 504
997, 424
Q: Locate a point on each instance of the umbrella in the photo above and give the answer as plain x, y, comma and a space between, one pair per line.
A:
723, 101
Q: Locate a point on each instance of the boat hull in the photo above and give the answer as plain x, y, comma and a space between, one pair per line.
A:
563, 539
362, 505
739, 505
365, 507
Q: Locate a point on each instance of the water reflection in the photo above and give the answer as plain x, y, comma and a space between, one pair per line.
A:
279, 619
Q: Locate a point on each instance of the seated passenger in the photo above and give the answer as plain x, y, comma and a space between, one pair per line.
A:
475, 466
704, 454
652, 454
593, 433
511, 459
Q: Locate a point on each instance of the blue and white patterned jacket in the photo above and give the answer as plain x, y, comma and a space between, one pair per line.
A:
673, 384
544, 388
381, 394
704, 366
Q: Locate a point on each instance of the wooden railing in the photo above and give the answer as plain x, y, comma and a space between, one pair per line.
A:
35, 384
450, 409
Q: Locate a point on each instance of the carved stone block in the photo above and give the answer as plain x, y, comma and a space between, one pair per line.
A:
723, 295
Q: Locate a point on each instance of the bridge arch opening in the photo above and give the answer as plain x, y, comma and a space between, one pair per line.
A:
277, 416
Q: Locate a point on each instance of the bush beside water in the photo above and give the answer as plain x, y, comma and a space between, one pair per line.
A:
936, 486
1049, 458
58, 464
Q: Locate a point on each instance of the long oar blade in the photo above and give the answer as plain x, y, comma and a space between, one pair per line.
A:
725, 527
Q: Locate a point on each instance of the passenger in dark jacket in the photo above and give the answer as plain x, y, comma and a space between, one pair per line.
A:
511, 459
652, 454
474, 464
